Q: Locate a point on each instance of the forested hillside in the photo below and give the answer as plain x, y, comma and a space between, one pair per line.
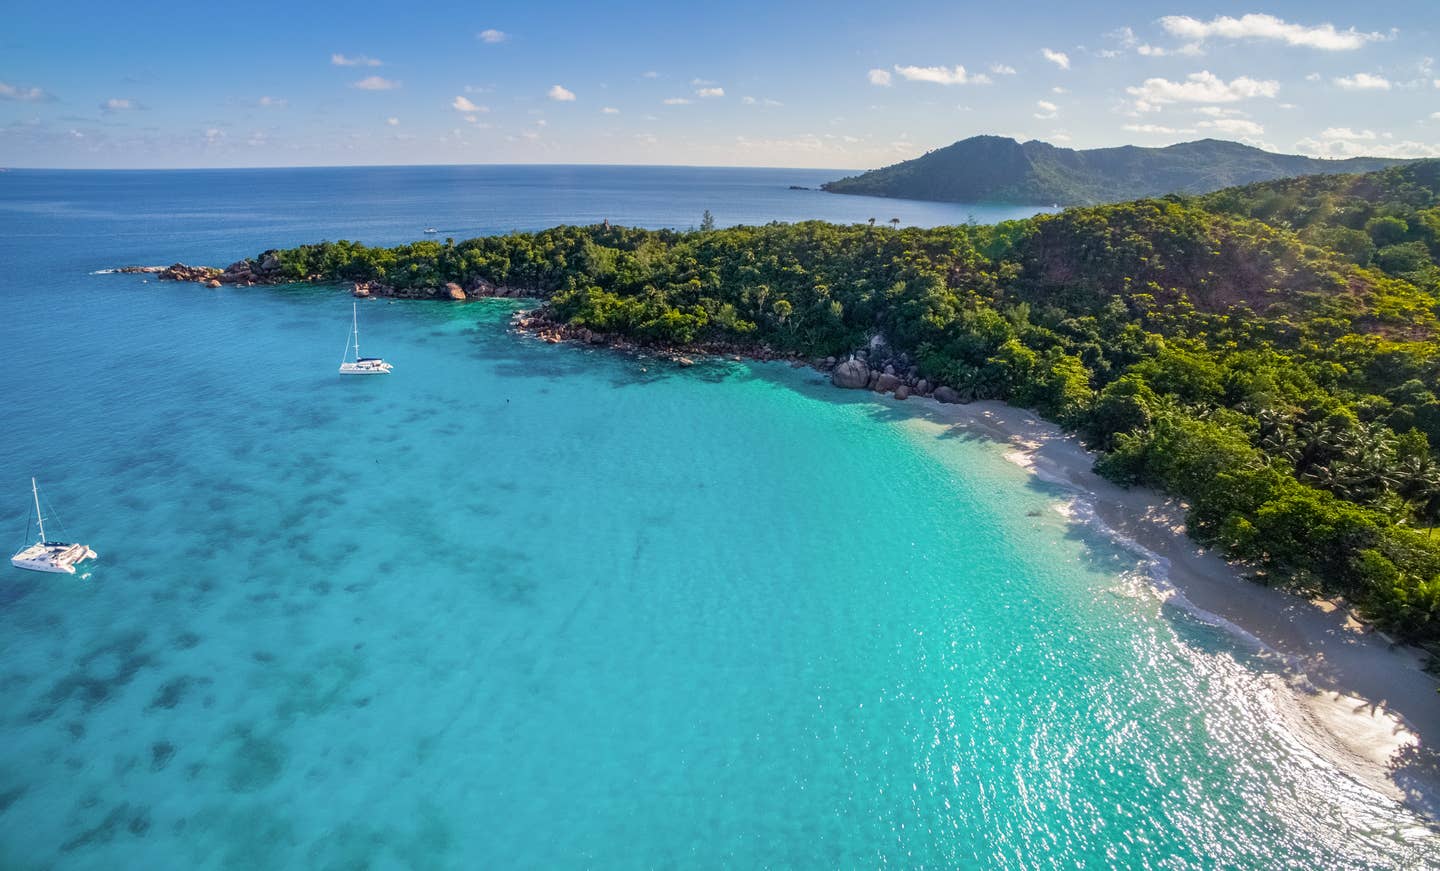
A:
1268, 354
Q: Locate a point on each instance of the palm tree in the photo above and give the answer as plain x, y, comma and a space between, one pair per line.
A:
872, 222
895, 222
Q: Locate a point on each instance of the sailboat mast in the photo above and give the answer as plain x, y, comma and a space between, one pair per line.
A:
355, 323
40, 518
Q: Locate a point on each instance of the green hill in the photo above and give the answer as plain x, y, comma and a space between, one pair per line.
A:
997, 169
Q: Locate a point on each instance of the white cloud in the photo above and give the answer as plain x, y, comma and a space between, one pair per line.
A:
700, 83
1058, 58
118, 104
560, 94
1047, 111
1312, 77
879, 77
272, 102
1363, 82
1259, 26
1234, 126
941, 75
1347, 133
649, 74
1216, 111
492, 36
609, 110
376, 83
358, 60
705, 93
463, 104
393, 122
677, 101
1059, 90
1002, 69
1155, 129
1201, 87
1362, 146
1189, 49
35, 95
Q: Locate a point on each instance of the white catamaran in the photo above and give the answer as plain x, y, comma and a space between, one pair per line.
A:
49, 556
360, 365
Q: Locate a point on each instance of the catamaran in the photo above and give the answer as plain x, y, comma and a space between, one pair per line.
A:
360, 365
49, 556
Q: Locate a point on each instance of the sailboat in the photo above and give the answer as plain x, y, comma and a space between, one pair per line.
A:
360, 365
49, 556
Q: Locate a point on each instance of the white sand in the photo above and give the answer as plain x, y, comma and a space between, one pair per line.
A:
1364, 703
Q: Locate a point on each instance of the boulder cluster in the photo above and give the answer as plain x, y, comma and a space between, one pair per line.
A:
265, 269
884, 375
477, 288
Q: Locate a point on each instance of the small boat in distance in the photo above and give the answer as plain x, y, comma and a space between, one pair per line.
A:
431, 230
49, 556
360, 365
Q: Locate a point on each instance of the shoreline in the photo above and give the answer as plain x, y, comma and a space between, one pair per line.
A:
1363, 703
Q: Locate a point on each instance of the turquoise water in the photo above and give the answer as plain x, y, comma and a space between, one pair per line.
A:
523, 605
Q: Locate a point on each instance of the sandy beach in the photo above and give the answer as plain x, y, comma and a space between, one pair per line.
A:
1362, 702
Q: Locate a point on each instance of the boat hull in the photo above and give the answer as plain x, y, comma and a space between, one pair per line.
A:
365, 368
54, 557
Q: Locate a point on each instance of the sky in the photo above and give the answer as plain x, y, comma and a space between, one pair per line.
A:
835, 84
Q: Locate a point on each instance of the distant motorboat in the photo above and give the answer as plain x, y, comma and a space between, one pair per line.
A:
360, 365
49, 556
431, 230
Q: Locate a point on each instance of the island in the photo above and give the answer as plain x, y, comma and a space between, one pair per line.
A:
996, 169
1268, 354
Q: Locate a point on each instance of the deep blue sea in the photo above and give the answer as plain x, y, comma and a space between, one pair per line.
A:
531, 606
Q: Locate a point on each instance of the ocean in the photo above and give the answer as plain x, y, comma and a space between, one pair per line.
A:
529, 606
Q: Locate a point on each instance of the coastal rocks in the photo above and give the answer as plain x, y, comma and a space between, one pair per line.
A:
138, 270
214, 282
851, 374
886, 382
902, 392
922, 387
454, 291
945, 394
182, 272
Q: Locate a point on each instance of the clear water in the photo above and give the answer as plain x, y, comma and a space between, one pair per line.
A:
520, 605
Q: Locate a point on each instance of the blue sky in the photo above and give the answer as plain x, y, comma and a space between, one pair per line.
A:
834, 84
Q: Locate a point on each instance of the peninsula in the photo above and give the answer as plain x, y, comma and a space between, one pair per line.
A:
1266, 354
